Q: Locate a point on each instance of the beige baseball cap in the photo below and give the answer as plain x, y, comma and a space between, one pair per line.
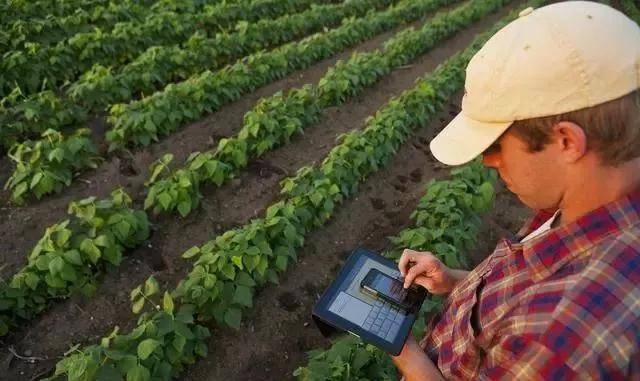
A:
555, 59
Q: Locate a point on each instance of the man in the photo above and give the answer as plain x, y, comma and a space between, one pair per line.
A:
552, 103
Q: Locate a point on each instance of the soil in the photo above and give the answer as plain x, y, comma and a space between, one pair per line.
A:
275, 336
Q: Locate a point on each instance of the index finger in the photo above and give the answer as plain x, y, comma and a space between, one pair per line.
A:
407, 256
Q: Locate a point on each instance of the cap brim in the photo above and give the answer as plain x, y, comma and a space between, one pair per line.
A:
464, 138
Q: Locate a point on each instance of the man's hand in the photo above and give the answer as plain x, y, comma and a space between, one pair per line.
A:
427, 270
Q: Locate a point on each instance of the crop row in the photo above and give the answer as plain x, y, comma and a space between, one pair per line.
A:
210, 91
47, 165
46, 67
70, 255
143, 121
33, 10
12, 10
165, 64
275, 119
64, 19
27, 118
446, 223
229, 268
51, 29
159, 65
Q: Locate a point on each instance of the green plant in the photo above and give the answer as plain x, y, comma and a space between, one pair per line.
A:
28, 118
631, 10
159, 348
53, 28
348, 359
47, 165
178, 191
28, 10
71, 254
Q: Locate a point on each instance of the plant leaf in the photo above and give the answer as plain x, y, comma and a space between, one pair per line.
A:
146, 348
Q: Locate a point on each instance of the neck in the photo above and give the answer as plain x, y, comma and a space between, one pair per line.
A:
601, 186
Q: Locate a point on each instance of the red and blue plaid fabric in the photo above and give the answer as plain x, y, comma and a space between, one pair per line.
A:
564, 305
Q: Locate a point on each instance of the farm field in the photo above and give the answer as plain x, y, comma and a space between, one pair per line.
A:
242, 95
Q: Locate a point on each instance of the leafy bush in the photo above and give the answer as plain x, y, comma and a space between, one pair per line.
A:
71, 254
47, 165
28, 118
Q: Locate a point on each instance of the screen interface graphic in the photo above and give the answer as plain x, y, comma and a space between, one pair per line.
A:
372, 314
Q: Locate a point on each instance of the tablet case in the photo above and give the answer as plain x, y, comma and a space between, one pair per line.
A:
354, 269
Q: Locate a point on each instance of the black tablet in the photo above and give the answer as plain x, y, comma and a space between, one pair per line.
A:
346, 306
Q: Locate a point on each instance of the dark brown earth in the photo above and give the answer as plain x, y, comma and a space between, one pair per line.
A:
274, 338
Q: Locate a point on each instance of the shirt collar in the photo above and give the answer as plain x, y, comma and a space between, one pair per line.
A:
546, 253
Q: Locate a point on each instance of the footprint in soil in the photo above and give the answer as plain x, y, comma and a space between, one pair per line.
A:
310, 289
400, 187
265, 169
392, 216
127, 167
214, 140
288, 301
152, 257
378, 203
416, 175
402, 179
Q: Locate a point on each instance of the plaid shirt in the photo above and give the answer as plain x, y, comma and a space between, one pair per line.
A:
564, 305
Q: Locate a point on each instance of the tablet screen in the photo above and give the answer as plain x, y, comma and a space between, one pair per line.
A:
364, 310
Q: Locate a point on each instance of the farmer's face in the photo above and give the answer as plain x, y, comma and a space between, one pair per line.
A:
536, 178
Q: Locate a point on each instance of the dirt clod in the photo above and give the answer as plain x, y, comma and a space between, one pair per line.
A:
400, 187
264, 169
128, 168
288, 301
416, 175
310, 289
378, 203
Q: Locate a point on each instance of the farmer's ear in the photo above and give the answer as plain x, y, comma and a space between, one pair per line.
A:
570, 140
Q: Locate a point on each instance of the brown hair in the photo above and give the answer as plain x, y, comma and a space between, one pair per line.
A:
612, 129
